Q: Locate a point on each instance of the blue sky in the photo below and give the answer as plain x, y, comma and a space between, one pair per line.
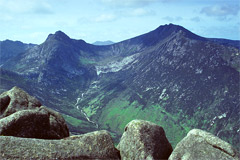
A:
31, 21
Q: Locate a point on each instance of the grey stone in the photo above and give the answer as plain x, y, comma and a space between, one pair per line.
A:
22, 115
144, 140
94, 145
201, 145
15, 100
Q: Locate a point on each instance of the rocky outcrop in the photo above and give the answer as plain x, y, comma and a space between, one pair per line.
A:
202, 145
22, 115
94, 145
23, 119
144, 140
15, 100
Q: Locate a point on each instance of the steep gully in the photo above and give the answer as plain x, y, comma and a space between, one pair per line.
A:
77, 106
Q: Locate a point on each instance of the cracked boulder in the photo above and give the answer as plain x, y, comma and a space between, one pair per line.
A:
201, 145
144, 140
22, 115
94, 145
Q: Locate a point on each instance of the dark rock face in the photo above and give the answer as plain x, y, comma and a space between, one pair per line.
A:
169, 76
94, 145
22, 115
10, 49
144, 140
202, 145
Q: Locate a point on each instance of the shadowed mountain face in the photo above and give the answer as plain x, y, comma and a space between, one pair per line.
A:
10, 49
169, 76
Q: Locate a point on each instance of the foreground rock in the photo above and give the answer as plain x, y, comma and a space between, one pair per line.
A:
144, 140
22, 115
202, 145
94, 145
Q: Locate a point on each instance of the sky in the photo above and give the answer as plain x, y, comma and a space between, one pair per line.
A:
31, 21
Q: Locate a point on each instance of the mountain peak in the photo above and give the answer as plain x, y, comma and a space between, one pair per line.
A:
172, 27
58, 35
168, 29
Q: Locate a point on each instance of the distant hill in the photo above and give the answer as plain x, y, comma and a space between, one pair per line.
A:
103, 43
10, 49
169, 76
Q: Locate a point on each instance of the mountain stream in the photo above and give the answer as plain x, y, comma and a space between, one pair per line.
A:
86, 116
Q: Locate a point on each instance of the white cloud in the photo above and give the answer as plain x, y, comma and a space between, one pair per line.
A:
43, 8
141, 12
105, 18
195, 19
221, 11
25, 6
178, 18
37, 34
173, 19
129, 3
5, 17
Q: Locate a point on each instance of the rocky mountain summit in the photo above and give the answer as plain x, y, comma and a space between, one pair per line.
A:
169, 76
20, 119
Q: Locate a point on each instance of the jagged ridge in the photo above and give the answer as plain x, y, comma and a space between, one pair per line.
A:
168, 76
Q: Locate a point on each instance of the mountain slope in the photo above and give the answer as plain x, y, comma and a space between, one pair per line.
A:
176, 83
169, 76
10, 49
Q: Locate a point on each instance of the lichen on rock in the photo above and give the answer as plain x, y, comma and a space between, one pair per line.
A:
94, 145
201, 145
22, 115
144, 140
